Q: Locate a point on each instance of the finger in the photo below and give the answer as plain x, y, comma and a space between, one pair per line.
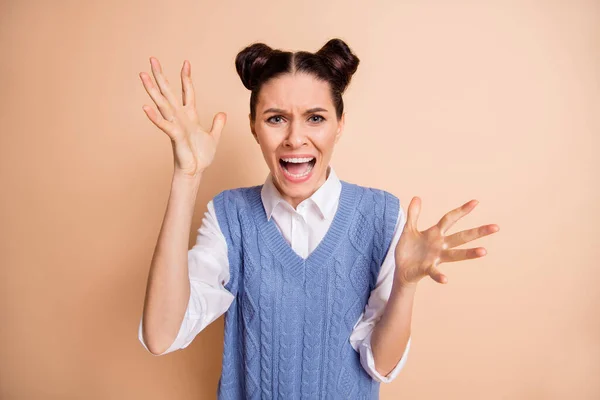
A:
460, 238
160, 122
162, 82
161, 102
462, 254
437, 276
217, 125
414, 209
451, 217
187, 86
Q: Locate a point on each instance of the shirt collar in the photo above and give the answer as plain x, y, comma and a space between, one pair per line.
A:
325, 198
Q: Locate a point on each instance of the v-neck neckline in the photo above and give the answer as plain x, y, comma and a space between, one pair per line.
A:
283, 250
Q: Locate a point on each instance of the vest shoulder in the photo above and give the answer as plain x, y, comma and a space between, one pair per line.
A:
232, 201
372, 192
237, 194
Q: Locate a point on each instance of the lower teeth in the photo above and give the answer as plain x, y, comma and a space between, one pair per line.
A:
302, 174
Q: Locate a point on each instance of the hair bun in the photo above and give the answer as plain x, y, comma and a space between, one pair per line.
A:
250, 61
336, 54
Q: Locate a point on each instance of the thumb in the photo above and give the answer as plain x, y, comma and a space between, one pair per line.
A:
218, 124
437, 276
414, 209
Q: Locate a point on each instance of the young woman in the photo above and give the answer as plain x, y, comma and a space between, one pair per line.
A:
316, 275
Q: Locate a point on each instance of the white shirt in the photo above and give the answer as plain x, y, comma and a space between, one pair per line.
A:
303, 229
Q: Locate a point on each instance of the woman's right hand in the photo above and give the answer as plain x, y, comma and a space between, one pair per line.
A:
193, 147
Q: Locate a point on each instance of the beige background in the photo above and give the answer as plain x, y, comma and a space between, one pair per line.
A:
497, 101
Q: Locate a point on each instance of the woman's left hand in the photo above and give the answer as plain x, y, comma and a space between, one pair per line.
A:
419, 253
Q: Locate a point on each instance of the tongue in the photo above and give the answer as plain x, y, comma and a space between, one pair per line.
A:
296, 168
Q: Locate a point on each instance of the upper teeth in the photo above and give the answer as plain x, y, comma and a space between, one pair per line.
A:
298, 160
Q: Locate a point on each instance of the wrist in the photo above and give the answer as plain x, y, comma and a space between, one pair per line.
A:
187, 184
187, 177
402, 293
400, 284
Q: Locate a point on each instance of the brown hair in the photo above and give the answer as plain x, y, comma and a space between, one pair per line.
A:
334, 63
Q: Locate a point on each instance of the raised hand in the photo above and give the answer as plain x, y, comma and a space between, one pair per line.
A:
419, 253
193, 146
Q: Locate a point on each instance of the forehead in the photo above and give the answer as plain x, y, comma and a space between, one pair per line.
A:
292, 91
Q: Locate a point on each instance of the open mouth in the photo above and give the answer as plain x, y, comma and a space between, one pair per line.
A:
298, 167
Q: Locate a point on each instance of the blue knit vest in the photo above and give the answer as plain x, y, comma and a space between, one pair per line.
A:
287, 330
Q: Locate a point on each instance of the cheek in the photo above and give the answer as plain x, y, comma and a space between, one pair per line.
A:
325, 142
268, 147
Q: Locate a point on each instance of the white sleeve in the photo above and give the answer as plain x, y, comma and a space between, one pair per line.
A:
360, 339
208, 268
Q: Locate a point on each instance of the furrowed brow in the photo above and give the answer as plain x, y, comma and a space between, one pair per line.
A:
279, 110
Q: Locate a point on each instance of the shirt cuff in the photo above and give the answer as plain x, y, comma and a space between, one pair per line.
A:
368, 362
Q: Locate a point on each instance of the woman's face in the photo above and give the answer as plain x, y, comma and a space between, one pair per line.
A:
296, 127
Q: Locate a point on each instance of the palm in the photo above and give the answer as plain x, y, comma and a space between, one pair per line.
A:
419, 253
196, 152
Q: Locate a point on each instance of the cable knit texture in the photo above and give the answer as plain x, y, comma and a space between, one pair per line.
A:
287, 331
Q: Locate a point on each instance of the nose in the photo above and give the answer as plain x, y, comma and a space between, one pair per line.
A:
296, 137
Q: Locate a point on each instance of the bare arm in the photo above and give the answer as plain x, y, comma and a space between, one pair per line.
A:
168, 286
390, 335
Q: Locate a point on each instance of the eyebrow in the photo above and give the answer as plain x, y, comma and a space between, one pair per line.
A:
309, 111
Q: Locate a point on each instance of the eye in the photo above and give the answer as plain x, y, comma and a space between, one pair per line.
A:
320, 118
270, 120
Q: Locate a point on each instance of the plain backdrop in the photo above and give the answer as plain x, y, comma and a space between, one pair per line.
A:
497, 101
